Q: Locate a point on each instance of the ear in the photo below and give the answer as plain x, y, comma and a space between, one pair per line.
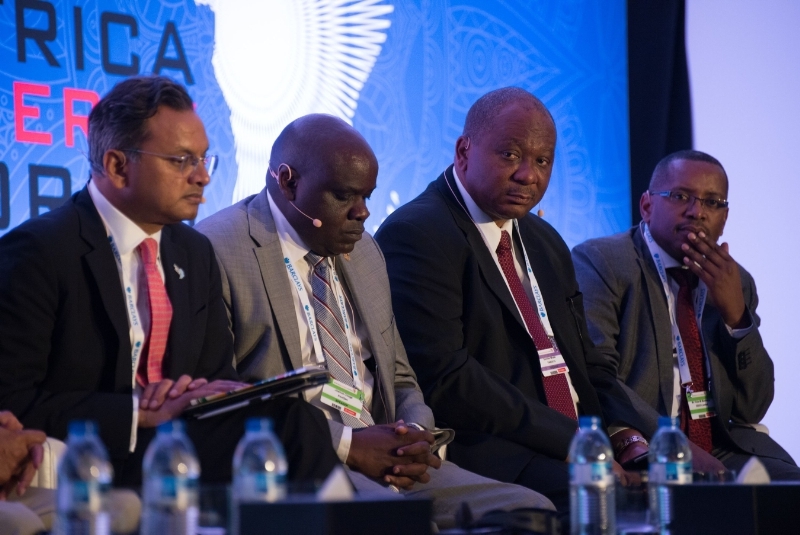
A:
287, 181
646, 206
115, 164
461, 157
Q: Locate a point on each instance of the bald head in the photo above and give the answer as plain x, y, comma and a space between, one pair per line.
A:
323, 168
482, 115
317, 144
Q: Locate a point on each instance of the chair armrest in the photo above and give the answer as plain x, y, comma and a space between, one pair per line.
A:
46, 476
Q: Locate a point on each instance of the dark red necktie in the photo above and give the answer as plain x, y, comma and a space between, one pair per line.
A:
556, 388
698, 431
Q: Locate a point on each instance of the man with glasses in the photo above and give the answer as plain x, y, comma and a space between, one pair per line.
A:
111, 308
676, 315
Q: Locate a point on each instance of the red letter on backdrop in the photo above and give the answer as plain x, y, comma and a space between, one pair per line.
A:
70, 119
21, 111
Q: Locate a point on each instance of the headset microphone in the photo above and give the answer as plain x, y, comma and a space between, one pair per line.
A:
316, 222
202, 200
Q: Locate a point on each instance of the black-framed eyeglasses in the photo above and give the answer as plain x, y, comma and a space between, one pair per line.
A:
683, 199
187, 163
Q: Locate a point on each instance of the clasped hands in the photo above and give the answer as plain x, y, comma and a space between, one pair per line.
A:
395, 453
21, 454
167, 399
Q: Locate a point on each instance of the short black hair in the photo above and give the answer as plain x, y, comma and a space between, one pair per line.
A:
661, 172
118, 120
481, 115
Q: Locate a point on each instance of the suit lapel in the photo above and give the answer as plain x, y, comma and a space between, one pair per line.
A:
103, 267
353, 272
269, 255
491, 274
659, 314
175, 262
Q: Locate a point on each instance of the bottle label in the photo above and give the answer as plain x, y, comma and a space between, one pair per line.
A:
264, 486
80, 496
679, 473
598, 475
179, 493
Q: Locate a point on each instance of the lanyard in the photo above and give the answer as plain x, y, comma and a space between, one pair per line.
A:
537, 294
138, 336
312, 323
699, 303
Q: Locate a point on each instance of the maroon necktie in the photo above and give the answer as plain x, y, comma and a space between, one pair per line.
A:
556, 388
698, 431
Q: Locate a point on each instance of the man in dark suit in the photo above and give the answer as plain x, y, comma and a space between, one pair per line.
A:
630, 309
111, 309
468, 308
266, 237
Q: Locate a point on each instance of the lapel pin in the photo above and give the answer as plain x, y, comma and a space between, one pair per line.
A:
179, 271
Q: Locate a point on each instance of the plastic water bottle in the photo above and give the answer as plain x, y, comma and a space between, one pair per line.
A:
84, 478
170, 490
670, 461
259, 467
591, 481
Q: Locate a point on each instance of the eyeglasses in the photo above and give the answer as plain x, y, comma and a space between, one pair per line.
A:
683, 199
187, 163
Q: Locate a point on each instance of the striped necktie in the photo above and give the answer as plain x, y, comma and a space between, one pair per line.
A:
332, 334
160, 316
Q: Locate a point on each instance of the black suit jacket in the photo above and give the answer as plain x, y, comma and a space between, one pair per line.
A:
65, 350
465, 339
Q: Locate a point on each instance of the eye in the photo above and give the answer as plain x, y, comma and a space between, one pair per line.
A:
712, 203
678, 196
508, 155
543, 161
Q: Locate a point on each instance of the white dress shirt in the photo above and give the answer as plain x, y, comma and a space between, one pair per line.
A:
491, 234
125, 236
674, 287
295, 250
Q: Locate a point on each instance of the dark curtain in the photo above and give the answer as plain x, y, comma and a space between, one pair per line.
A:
658, 88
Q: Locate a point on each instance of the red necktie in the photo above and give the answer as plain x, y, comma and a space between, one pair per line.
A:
160, 316
556, 388
698, 431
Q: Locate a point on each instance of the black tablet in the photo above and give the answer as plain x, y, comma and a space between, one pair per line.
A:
280, 385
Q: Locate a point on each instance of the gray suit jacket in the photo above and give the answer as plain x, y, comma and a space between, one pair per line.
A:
260, 302
628, 318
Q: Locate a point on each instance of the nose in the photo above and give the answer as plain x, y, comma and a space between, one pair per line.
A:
526, 173
200, 175
694, 209
359, 211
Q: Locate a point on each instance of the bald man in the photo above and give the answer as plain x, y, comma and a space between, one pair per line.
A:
489, 309
305, 285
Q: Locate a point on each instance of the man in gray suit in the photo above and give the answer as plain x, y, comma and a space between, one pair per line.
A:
636, 308
304, 285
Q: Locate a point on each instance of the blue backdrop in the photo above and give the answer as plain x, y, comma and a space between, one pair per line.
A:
403, 73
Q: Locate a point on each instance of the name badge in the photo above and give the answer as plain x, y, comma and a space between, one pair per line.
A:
701, 405
552, 362
343, 398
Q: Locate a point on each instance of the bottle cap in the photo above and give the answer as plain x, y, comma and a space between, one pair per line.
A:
81, 428
589, 422
666, 421
170, 427
258, 425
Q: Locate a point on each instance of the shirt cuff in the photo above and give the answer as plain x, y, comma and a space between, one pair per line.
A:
343, 448
134, 422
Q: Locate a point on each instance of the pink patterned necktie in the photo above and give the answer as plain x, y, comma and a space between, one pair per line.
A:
556, 388
698, 431
160, 316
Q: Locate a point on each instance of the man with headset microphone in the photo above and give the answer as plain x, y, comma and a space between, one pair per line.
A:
305, 285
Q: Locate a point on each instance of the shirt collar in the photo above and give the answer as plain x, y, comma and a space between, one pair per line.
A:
127, 234
293, 245
488, 228
666, 259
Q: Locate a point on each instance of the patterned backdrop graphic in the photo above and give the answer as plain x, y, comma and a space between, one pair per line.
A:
403, 73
